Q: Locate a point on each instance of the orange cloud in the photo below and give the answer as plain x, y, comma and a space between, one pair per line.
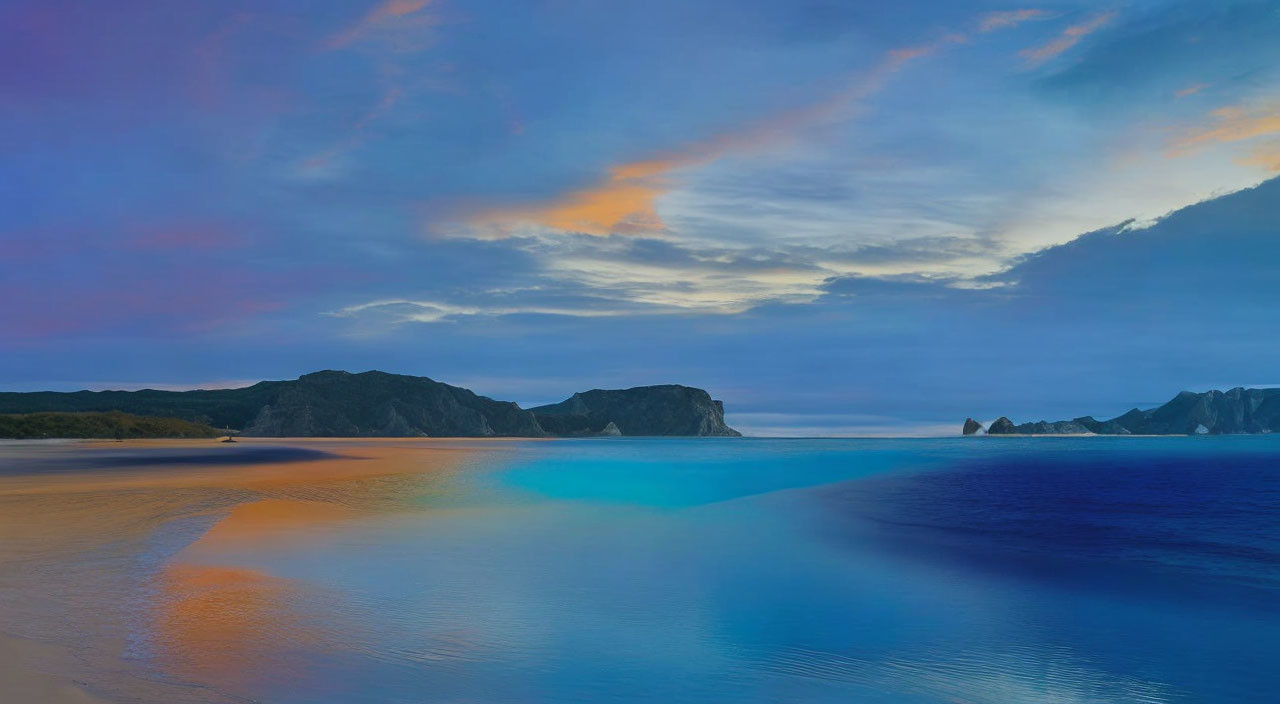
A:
1190, 90
620, 205
379, 16
625, 201
1267, 156
1067, 39
1231, 124
1009, 18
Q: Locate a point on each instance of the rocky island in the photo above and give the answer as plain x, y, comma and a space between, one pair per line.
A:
1238, 411
378, 404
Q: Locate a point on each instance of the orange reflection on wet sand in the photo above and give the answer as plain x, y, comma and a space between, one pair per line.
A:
251, 523
228, 627
68, 563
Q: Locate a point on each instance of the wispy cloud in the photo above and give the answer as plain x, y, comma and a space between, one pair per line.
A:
1233, 123
381, 17
1069, 37
318, 162
1190, 90
625, 200
183, 236
1009, 18
583, 276
404, 310
1265, 155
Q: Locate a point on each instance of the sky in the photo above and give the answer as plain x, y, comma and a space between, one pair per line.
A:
840, 217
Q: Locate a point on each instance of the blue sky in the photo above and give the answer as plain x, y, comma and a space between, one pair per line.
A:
840, 217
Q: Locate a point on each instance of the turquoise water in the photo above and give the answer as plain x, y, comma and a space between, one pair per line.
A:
912, 571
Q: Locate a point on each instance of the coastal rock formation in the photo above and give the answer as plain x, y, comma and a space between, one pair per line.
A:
1001, 426
377, 404
669, 409
1238, 411
1041, 427
971, 427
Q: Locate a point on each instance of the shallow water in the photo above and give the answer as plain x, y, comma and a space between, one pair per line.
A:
950, 570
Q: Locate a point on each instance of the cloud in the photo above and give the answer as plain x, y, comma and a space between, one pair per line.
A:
403, 310
1233, 123
124, 297
624, 201
1009, 18
1067, 39
666, 275
320, 161
115, 238
1163, 48
385, 15
1265, 155
1099, 307
582, 276
1226, 245
184, 236
1190, 90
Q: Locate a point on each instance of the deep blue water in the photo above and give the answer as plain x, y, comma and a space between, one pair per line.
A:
924, 571
130, 457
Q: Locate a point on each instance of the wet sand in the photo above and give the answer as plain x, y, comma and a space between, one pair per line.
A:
23, 675
113, 581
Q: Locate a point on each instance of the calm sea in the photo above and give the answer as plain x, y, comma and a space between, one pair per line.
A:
974, 571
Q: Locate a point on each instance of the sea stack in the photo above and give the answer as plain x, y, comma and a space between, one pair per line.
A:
1002, 426
971, 427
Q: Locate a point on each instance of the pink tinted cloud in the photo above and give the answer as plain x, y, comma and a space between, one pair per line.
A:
167, 280
189, 236
1009, 18
384, 15
140, 237
1069, 37
123, 298
1190, 90
147, 299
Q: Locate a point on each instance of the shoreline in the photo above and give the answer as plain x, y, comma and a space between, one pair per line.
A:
73, 586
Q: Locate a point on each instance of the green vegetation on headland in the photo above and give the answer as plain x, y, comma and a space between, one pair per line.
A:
109, 425
377, 404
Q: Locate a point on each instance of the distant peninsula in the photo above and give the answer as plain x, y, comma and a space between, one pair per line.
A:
91, 425
1234, 412
378, 404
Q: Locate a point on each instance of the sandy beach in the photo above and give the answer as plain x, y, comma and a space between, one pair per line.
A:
111, 584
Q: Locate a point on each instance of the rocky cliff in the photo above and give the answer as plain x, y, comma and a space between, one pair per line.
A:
1238, 411
377, 404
